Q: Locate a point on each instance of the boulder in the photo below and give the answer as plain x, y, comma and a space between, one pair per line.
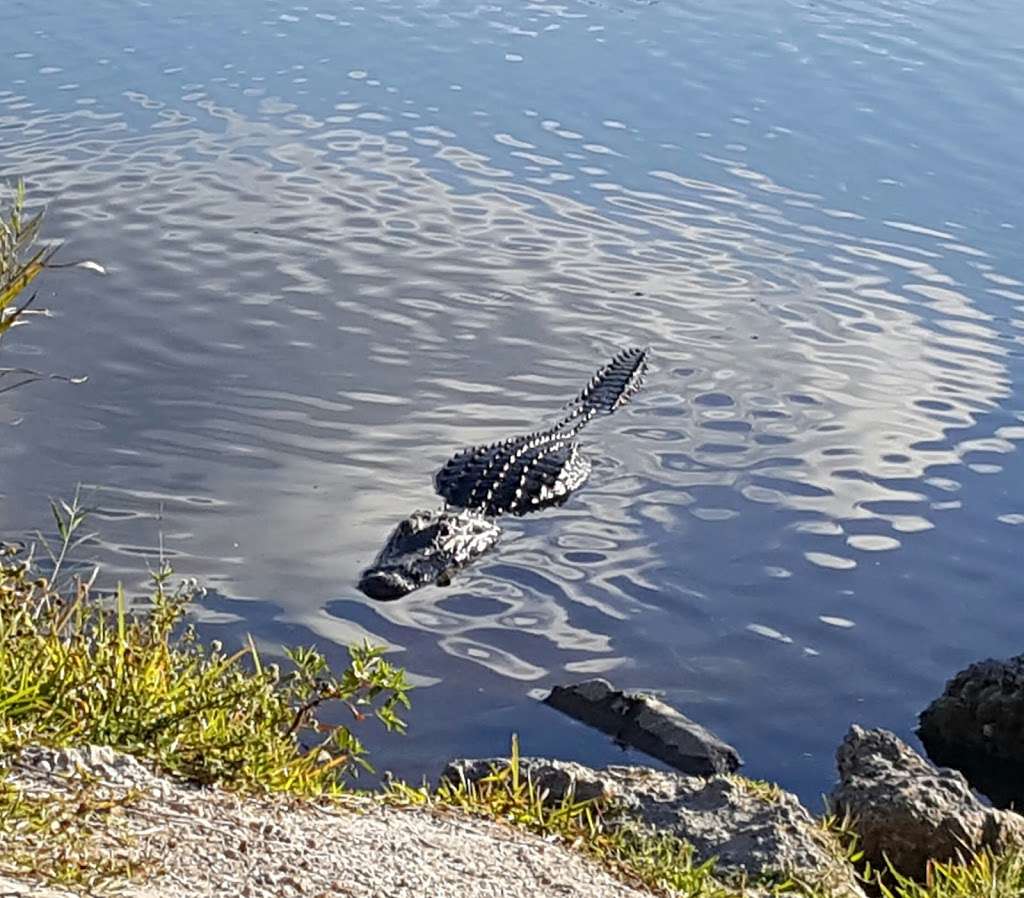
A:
558, 779
757, 832
977, 726
907, 811
645, 723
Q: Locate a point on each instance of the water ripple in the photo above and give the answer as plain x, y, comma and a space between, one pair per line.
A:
340, 248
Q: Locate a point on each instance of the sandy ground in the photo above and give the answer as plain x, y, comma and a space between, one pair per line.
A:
204, 842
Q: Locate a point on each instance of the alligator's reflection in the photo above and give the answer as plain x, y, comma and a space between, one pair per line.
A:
516, 476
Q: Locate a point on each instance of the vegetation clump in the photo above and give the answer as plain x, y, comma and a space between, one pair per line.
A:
21, 262
78, 670
984, 875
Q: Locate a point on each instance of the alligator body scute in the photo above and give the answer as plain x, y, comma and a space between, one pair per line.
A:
515, 476
520, 475
536, 470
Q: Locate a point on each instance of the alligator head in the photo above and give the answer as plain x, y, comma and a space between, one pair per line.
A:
427, 547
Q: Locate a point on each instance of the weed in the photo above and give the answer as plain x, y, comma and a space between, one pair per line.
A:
20, 264
984, 875
78, 670
70, 839
767, 792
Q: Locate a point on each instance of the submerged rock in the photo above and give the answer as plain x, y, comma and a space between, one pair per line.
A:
756, 831
647, 724
977, 726
910, 812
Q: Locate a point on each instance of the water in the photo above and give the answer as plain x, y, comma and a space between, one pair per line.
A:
345, 240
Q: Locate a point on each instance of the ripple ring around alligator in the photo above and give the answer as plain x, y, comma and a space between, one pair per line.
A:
517, 475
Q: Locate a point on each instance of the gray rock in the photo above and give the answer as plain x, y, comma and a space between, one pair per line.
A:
756, 832
910, 812
99, 762
558, 778
977, 726
647, 724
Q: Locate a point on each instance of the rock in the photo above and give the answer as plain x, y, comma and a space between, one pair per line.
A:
96, 762
755, 831
977, 726
558, 778
644, 722
910, 812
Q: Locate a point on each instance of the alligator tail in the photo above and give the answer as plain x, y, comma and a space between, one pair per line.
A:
536, 470
611, 387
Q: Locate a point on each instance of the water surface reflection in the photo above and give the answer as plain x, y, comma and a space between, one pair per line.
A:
341, 246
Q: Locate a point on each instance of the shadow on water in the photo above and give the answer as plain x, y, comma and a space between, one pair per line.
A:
341, 246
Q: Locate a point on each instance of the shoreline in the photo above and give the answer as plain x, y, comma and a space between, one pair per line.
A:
128, 745
146, 834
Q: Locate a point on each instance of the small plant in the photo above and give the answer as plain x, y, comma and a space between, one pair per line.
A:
841, 835
72, 839
20, 264
76, 670
983, 875
769, 793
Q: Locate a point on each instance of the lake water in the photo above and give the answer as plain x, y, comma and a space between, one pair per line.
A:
345, 240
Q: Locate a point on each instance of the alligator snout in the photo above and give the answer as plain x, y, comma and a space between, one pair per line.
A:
385, 585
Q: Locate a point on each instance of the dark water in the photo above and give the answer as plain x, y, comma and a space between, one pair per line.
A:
344, 240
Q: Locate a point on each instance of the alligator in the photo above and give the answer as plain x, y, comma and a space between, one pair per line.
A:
515, 476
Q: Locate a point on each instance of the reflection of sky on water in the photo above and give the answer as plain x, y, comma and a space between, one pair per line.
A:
341, 247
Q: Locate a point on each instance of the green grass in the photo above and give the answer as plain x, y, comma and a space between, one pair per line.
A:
986, 875
767, 792
76, 669
21, 262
